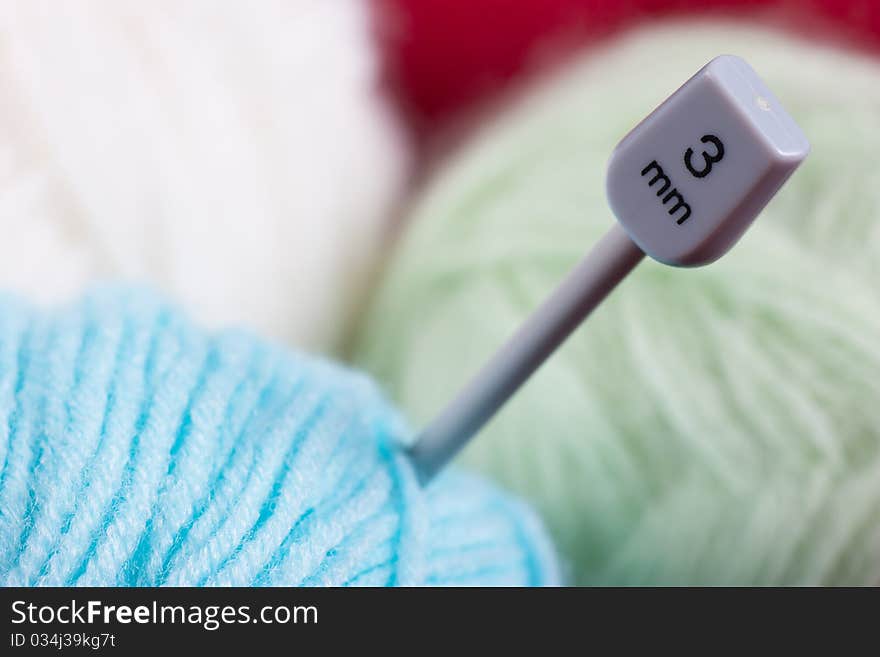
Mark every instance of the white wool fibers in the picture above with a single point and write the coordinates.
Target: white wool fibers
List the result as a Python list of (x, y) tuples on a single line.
[(239, 156)]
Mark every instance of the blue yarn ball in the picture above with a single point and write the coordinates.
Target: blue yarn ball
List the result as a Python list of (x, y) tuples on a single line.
[(138, 450)]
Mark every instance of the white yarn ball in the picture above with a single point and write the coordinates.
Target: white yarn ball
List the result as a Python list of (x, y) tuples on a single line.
[(236, 155)]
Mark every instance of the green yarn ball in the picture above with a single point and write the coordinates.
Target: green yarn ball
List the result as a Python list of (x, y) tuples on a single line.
[(709, 426)]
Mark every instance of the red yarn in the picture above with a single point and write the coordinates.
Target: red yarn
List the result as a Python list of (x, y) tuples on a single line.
[(443, 56)]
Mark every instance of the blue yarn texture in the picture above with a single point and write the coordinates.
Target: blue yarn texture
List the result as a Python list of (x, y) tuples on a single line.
[(138, 450)]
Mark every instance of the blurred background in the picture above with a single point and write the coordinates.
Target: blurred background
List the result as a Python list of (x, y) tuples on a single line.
[(397, 183), (446, 58)]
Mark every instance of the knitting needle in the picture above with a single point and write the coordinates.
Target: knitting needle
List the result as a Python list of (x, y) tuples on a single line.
[(680, 208), (580, 293)]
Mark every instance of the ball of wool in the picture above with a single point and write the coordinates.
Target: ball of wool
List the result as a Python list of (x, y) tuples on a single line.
[(239, 157), (717, 425), (138, 450)]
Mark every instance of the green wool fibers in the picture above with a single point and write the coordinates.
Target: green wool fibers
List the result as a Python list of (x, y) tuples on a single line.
[(710, 426)]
